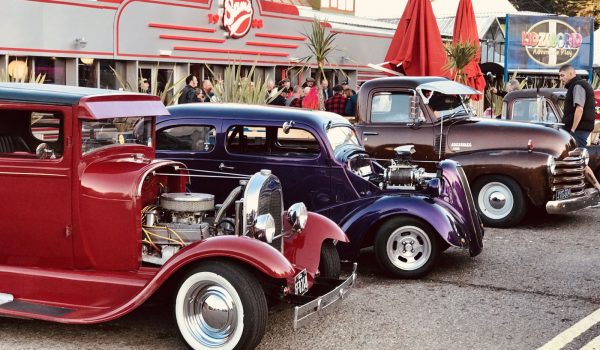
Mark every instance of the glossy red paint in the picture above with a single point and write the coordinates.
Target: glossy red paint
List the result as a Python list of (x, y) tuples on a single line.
[(304, 249)]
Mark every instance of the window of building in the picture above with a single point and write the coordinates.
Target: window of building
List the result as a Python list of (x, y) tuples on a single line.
[(53, 68), (187, 138)]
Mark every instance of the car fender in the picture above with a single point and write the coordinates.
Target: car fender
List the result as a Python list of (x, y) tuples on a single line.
[(360, 225), (304, 249), (248, 251), (528, 169)]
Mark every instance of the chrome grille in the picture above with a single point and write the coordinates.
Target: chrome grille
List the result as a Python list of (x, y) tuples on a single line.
[(270, 201), (569, 174)]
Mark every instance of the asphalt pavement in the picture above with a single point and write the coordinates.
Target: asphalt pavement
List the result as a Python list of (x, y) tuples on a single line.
[(535, 285)]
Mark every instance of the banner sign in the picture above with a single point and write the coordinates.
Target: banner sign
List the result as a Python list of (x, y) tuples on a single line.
[(548, 42)]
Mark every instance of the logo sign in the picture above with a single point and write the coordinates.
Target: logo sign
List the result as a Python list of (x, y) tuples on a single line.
[(545, 43), (237, 17), (551, 42)]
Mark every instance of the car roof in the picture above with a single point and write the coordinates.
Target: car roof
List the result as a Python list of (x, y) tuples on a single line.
[(50, 93), (316, 119), (410, 82), (532, 93)]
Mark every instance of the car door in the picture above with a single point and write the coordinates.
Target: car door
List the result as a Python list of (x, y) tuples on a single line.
[(388, 126), (35, 210), (297, 157)]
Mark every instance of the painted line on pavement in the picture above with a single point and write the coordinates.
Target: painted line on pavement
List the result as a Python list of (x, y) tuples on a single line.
[(572, 332), (593, 345)]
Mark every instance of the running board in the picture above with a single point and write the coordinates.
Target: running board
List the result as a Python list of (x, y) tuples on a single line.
[(6, 298)]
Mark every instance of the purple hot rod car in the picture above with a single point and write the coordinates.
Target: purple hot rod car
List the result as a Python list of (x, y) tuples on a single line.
[(409, 216)]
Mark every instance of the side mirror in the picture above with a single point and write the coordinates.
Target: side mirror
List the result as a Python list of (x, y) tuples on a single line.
[(287, 126), (43, 152), (405, 152), (415, 116)]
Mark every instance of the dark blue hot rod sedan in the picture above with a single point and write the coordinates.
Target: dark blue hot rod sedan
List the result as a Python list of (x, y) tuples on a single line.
[(409, 216)]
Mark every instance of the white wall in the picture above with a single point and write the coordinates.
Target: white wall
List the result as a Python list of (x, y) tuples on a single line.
[(441, 8)]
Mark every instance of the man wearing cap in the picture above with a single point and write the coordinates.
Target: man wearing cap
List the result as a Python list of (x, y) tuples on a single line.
[(310, 82)]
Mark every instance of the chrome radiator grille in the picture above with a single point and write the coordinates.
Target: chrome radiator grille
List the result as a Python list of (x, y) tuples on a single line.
[(569, 174), (270, 201)]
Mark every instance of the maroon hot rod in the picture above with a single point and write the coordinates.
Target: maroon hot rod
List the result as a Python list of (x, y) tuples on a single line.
[(93, 225)]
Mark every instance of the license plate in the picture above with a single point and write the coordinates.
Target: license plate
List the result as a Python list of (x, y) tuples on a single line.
[(563, 193), (301, 283)]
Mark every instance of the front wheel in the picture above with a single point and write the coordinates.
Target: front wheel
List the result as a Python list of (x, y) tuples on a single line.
[(221, 306), (499, 200), (406, 247), (329, 265)]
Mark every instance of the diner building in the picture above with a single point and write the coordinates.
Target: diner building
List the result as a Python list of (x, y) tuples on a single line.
[(116, 43)]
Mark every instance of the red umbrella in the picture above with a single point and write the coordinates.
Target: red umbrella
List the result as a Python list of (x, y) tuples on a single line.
[(417, 44), (465, 31)]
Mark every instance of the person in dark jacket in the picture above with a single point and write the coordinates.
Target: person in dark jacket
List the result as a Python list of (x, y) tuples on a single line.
[(579, 111), (337, 103), (188, 94), (281, 98)]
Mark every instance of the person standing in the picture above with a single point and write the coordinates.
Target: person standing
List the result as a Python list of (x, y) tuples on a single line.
[(513, 85), (207, 87), (337, 103), (327, 92), (579, 109), (297, 96), (188, 94)]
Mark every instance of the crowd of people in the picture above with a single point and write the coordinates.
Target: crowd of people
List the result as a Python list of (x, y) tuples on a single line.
[(193, 93), (341, 99)]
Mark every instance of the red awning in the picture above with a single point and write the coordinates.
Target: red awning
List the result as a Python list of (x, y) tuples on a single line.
[(465, 31), (417, 44)]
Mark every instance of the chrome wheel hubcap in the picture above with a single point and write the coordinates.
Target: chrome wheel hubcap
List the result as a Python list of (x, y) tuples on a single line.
[(495, 200), (210, 314), (409, 248)]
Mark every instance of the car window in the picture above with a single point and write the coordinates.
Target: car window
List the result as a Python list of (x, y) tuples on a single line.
[(22, 131), (527, 110), (272, 141), (389, 107), (187, 138)]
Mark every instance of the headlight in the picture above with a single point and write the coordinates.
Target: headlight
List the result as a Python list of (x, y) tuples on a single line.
[(265, 227), (551, 165), (585, 155), (297, 216), (434, 187)]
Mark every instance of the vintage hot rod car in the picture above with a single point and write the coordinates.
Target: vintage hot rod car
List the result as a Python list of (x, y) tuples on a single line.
[(93, 225), (409, 216), (510, 166)]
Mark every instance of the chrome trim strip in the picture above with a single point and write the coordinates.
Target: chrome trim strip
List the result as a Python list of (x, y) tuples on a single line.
[(32, 174), (303, 313)]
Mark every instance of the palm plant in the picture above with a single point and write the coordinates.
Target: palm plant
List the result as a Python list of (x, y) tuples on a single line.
[(320, 45), (237, 88), (168, 95), (459, 56)]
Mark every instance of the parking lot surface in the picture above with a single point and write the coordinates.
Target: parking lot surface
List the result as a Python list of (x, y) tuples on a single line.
[(530, 285)]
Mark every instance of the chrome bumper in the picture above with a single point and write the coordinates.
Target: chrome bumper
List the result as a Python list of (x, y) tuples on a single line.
[(591, 197), (322, 304)]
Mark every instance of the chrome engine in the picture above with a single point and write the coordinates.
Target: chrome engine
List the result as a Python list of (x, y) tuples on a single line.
[(255, 209)]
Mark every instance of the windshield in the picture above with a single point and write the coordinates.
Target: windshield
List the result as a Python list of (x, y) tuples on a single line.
[(341, 135), (444, 105), (115, 132)]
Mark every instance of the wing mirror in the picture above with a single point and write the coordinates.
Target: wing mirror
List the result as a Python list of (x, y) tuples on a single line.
[(415, 116), (287, 126), (43, 152)]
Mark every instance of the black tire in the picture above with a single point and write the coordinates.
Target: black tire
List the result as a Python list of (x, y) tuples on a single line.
[(402, 229), (504, 216), (330, 265), (244, 291)]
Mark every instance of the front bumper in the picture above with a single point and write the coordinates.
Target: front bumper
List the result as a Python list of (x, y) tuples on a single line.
[(590, 197), (316, 305)]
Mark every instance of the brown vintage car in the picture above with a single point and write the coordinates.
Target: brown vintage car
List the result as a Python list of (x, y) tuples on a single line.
[(509, 165)]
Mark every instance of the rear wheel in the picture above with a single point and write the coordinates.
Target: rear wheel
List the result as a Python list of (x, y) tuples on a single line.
[(406, 247), (329, 265), (221, 306), (499, 200)]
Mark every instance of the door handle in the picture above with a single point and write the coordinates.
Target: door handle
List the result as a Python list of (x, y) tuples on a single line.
[(223, 166), (370, 133)]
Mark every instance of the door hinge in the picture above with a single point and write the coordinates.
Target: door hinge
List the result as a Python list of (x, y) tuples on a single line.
[(68, 231)]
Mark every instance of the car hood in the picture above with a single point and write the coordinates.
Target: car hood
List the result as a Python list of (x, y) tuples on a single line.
[(480, 134)]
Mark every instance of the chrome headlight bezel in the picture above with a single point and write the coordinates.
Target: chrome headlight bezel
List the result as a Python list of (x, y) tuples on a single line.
[(264, 228), (259, 182), (297, 216), (551, 165)]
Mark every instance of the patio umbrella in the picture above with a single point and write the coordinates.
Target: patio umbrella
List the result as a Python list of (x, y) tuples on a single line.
[(416, 48), (465, 31)]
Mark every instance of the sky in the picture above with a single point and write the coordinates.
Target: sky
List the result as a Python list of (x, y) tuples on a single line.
[(441, 8)]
